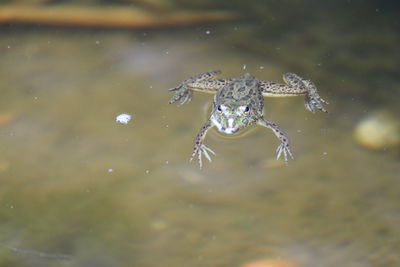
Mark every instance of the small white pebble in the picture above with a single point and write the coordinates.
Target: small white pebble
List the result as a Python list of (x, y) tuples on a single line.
[(299, 131), (123, 118), (110, 170), (261, 67), (36, 98), (325, 153), (166, 162), (97, 42), (167, 52), (167, 125), (208, 32), (147, 171), (244, 66)]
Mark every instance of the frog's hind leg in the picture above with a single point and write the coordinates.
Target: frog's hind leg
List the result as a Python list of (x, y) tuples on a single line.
[(293, 80), (312, 101)]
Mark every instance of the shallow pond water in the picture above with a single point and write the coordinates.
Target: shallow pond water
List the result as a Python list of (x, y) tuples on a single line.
[(79, 189)]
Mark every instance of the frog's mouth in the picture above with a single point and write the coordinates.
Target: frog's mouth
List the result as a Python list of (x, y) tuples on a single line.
[(228, 130)]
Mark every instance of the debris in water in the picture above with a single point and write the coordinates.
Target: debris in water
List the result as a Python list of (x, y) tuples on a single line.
[(271, 263), (123, 118), (106, 17)]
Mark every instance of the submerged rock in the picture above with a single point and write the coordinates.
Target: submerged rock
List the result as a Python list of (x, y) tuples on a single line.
[(6, 118), (380, 130)]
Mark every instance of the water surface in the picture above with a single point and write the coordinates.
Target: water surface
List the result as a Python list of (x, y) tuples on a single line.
[(79, 189)]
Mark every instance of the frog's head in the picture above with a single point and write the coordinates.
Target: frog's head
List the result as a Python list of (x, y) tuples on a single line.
[(229, 118)]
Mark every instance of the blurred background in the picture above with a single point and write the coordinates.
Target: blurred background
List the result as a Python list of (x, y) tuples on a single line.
[(79, 189)]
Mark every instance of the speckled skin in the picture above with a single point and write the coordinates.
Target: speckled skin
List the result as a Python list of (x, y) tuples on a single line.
[(239, 102)]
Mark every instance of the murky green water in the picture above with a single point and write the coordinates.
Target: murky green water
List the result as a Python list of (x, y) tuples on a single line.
[(79, 189)]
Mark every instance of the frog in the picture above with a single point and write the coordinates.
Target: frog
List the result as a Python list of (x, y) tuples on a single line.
[(239, 103)]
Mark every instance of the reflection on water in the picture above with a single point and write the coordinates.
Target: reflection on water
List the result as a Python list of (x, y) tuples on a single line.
[(79, 189)]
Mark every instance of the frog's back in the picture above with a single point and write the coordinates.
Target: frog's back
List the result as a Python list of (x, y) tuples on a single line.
[(241, 91)]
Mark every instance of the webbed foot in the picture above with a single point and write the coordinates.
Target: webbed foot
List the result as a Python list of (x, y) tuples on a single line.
[(182, 93), (200, 150), (284, 149), (313, 101)]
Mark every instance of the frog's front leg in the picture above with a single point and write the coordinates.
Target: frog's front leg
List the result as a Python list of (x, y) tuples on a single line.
[(203, 81), (199, 147), (295, 85), (284, 147)]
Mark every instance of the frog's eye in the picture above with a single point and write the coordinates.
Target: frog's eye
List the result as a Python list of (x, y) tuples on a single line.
[(244, 108), (221, 107)]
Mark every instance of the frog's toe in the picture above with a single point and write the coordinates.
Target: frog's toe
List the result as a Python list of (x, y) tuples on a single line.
[(206, 150), (200, 151), (174, 89), (285, 150), (174, 98), (323, 100), (182, 94), (186, 98), (315, 102)]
